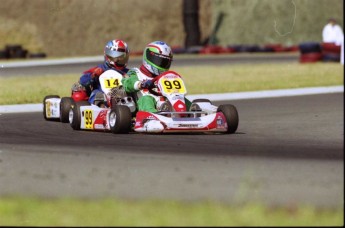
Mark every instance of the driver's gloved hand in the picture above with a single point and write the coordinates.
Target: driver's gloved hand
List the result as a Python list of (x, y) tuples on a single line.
[(147, 84)]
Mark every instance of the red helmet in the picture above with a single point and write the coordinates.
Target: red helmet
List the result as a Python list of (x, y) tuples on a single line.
[(80, 95), (116, 54)]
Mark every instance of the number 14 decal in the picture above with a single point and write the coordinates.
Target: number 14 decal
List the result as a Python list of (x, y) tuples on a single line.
[(112, 83)]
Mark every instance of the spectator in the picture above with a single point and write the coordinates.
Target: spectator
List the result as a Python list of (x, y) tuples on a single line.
[(332, 33)]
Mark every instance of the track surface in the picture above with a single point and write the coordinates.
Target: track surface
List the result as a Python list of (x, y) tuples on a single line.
[(286, 151)]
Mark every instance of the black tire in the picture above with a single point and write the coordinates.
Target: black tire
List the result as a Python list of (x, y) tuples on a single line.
[(120, 119), (37, 55), (231, 115), (45, 107), (3, 54), (74, 116), (309, 47), (65, 106)]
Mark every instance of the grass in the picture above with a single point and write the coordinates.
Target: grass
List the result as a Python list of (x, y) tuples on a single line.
[(199, 80), (26, 211)]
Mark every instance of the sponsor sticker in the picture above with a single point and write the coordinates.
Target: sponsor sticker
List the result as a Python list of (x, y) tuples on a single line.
[(188, 125)]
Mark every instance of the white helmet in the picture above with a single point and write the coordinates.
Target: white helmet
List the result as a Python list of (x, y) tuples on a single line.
[(157, 57)]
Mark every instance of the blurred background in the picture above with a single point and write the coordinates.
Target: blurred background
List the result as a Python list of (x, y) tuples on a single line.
[(66, 28)]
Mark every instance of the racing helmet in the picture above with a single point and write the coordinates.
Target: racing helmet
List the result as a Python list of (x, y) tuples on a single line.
[(116, 54), (157, 57)]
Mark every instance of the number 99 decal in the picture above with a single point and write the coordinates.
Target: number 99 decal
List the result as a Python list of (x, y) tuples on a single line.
[(88, 119), (176, 85)]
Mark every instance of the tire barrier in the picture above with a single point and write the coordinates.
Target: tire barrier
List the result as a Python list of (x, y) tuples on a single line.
[(215, 49), (218, 49), (330, 52), (18, 52), (309, 47), (310, 57), (310, 52), (314, 52)]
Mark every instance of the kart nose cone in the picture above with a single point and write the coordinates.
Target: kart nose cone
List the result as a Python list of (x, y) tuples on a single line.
[(153, 126)]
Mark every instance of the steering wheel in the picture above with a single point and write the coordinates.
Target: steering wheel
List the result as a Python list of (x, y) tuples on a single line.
[(154, 80)]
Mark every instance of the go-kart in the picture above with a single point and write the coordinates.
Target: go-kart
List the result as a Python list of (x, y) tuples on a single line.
[(172, 115), (98, 117)]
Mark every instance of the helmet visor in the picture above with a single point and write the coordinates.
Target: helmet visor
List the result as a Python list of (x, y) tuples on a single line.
[(162, 61), (115, 53), (120, 60)]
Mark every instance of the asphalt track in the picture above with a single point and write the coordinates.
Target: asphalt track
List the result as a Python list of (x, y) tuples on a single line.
[(286, 151)]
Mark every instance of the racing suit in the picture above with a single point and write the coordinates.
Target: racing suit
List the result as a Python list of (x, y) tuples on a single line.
[(91, 82), (146, 101)]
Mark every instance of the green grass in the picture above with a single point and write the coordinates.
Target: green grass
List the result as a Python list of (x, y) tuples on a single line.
[(26, 211), (198, 80)]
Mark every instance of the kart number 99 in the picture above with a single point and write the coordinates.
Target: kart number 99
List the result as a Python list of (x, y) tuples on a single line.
[(176, 85), (88, 119)]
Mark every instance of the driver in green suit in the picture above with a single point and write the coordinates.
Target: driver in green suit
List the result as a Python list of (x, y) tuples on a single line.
[(157, 58)]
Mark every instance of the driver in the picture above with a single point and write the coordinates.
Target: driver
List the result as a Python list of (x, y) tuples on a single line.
[(116, 55), (157, 58)]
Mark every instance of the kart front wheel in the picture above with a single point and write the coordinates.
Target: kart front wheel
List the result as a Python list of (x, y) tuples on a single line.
[(74, 116), (231, 115), (65, 106), (120, 119)]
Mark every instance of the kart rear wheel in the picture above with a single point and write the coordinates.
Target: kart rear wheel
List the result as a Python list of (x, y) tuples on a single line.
[(45, 107), (231, 115), (74, 116), (65, 106), (120, 119)]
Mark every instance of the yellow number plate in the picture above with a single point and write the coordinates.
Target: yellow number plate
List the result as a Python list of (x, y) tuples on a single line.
[(88, 119), (175, 85), (112, 83)]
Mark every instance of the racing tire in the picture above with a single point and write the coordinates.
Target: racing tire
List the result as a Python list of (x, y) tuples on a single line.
[(310, 47), (74, 115), (44, 105), (231, 115), (120, 119), (65, 106)]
